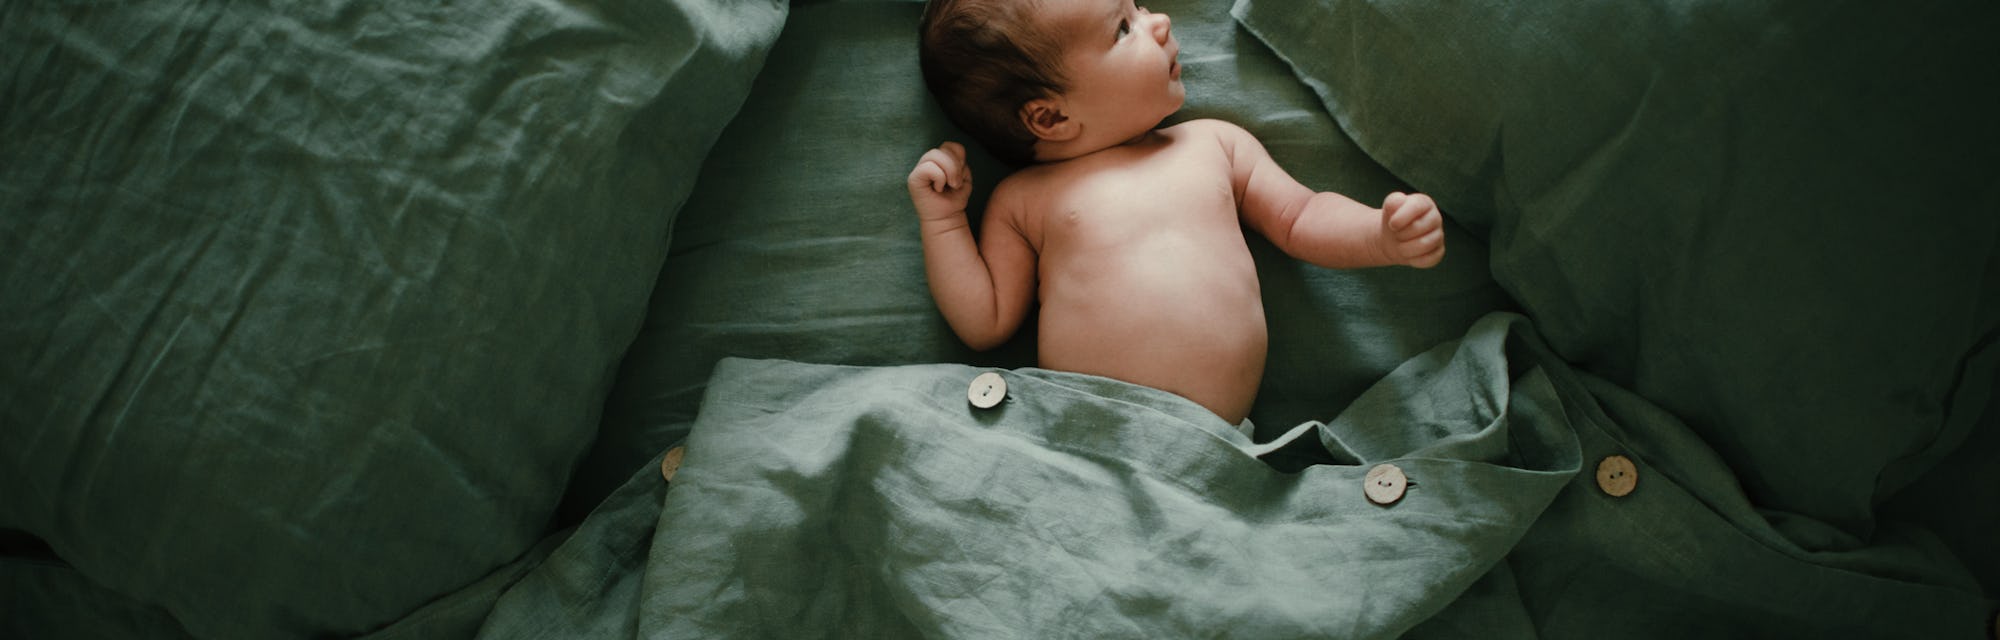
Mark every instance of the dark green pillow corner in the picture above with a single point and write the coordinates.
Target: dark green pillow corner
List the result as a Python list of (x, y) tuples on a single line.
[(1773, 218), (309, 313)]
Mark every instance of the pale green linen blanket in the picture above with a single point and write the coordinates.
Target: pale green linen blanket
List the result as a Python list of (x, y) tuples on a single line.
[(848, 502)]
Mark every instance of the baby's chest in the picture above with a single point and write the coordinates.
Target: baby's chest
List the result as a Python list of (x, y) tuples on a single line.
[(1122, 200), (1148, 206), (1171, 218)]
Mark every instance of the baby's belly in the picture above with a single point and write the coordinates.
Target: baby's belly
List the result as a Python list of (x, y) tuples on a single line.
[(1204, 343)]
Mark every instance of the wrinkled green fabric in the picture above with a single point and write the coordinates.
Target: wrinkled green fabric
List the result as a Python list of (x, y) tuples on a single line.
[(49, 599), (799, 242), (829, 501), (307, 313), (310, 310), (1775, 218)]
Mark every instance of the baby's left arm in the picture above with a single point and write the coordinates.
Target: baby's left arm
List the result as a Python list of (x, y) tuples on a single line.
[(1325, 228)]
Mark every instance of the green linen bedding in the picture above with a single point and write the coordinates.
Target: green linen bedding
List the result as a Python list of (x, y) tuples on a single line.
[(1777, 219), (308, 311), (335, 320), (820, 501)]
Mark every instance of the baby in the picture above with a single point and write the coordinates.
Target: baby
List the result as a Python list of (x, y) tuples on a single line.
[(1129, 237)]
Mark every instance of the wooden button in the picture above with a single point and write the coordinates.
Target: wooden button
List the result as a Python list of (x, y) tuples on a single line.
[(1384, 484), (987, 390), (672, 462), (1617, 476)]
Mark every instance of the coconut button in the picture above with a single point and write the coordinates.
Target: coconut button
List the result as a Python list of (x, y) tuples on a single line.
[(1384, 484), (1617, 476)]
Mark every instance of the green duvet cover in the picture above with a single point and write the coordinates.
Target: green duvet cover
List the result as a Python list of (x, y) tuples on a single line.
[(820, 501)]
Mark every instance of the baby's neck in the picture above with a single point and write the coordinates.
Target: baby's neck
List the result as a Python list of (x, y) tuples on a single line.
[(1048, 153)]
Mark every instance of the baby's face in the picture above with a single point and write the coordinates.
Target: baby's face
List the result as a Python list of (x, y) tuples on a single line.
[(1120, 62)]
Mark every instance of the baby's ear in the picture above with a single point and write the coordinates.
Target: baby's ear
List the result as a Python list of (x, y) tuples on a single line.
[(1045, 118)]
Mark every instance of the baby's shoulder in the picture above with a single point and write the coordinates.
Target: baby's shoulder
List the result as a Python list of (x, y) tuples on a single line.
[(1034, 187), (1035, 177), (1019, 178), (1221, 136), (1014, 187)]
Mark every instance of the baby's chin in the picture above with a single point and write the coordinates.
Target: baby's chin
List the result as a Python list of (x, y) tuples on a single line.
[(1180, 100), (1179, 93)]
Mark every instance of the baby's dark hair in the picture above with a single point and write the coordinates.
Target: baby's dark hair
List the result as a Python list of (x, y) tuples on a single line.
[(982, 60)]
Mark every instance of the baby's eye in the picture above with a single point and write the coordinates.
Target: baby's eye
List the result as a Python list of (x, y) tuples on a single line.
[(1124, 27)]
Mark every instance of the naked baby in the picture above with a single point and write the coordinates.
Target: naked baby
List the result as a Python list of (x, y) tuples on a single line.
[(1130, 238)]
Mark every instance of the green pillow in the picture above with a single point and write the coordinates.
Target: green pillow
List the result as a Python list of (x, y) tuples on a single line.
[(799, 242), (1773, 218), (310, 311)]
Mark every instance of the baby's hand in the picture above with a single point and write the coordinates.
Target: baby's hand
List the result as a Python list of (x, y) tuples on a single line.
[(1412, 230), (942, 182)]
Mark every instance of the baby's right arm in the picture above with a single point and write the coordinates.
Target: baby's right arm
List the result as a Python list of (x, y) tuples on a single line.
[(982, 287)]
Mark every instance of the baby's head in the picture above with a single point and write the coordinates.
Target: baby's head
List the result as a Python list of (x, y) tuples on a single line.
[(1042, 80)]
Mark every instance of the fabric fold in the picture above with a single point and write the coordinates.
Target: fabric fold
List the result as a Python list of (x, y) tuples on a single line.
[(879, 503)]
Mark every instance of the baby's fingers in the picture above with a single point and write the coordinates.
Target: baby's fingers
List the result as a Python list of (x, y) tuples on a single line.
[(1429, 259), (1405, 209), (1424, 220), (958, 169), (928, 175), (950, 159), (1428, 242), (1430, 249), (1392, 205)]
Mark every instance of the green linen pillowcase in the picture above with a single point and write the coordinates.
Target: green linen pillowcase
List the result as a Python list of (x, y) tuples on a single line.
[(310, 311), (1772, 218), (799, 242)]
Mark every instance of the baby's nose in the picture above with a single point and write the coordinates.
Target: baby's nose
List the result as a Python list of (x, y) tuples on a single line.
[(1162, 26)]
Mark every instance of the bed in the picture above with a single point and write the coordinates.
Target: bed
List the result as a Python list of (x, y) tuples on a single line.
[(380, 321)]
